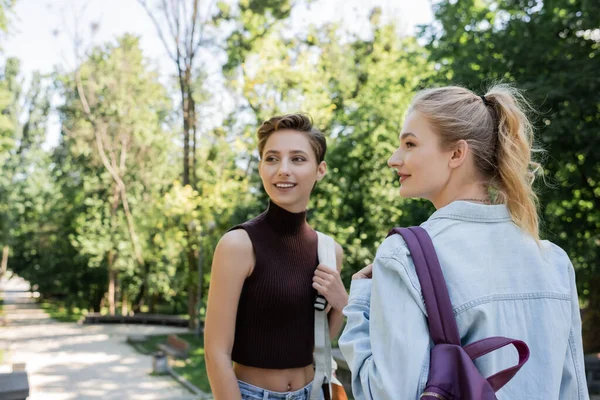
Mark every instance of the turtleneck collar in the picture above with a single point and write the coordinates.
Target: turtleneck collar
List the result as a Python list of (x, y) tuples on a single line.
[(284, 221)]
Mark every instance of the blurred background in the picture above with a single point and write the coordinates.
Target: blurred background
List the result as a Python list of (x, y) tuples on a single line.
[(127, 131)]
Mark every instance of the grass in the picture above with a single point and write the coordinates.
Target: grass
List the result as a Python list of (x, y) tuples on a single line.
[(61, 312), (193, 369)]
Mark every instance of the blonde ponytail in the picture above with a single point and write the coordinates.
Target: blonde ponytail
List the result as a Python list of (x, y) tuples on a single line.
[(516, 170), (500, 136)]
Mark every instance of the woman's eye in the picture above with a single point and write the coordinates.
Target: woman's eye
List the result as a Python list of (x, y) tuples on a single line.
[(410, 144), (298, 159), (271, 159)]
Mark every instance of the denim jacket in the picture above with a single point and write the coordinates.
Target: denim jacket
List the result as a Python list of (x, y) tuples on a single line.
[(501, 283)]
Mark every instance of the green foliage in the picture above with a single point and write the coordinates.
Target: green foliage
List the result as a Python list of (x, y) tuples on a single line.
[(24, 183), (253, 20), (65, 222), (552, 50), (6, 7), (9, 89), (357, 92), (68, 223), (61, 312), (359, 200)]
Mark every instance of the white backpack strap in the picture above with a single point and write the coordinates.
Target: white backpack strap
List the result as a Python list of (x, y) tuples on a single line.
[(326, 251), (322, 355)]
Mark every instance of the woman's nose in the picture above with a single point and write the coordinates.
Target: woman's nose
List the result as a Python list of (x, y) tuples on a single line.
[(395, 160), (284, 168)]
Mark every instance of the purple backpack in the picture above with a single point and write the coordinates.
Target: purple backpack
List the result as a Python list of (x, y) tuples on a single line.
[(452, 373)]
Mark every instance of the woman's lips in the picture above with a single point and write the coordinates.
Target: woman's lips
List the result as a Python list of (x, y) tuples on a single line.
[(285, 186)]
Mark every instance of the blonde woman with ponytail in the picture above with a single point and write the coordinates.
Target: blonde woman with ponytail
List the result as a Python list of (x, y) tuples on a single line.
[(471, 156)]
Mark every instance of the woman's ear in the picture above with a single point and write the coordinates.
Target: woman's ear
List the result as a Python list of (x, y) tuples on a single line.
[(321, 170), (459, 154)]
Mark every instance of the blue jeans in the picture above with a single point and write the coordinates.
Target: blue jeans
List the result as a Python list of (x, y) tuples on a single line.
[(251, 392)]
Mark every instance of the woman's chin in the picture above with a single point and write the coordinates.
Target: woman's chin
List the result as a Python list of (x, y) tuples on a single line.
[(410, 194), (286, 200), (280, 198), (405, 192)]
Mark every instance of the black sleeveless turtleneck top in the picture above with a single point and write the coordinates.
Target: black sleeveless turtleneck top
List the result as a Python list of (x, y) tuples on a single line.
[(275, 318)]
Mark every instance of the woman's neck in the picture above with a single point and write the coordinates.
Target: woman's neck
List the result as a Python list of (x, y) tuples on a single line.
[(476, 193), (295, 208), (283, 220)]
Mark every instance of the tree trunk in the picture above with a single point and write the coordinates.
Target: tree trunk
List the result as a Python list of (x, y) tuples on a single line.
[(192, 286), (124, 302), (99, 129), (112, 274), (186, 136), (187, 102), (200, 275), (153, 300), (140, 299), (591, 319), (4, 265), (111, 283), (192, 127), (200, 261), (193, 180)]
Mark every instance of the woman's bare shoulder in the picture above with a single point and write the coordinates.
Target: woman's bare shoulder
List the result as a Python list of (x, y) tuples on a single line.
[(235, 252), (236, 240)]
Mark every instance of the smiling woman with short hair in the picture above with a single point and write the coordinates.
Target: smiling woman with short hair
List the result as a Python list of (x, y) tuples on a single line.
[(266, 274)]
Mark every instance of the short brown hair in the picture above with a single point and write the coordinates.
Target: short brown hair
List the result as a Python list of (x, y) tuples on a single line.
[(300, 122)]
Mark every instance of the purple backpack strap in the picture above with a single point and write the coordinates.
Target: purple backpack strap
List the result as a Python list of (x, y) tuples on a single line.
[(440, 315), (485, 346)]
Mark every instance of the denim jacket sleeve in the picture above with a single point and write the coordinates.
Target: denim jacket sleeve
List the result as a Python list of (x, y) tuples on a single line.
[(573, 378), (386, 340)]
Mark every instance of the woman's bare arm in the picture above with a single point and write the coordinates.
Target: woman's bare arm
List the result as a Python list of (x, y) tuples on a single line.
[(233, 262)]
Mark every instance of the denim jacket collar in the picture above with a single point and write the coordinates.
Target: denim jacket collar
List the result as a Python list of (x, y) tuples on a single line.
[(473, 212)]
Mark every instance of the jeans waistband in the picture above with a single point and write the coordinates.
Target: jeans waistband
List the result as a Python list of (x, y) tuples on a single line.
[(300, 394)]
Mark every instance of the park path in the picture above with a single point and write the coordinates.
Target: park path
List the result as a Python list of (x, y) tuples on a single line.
[(67, 361)]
